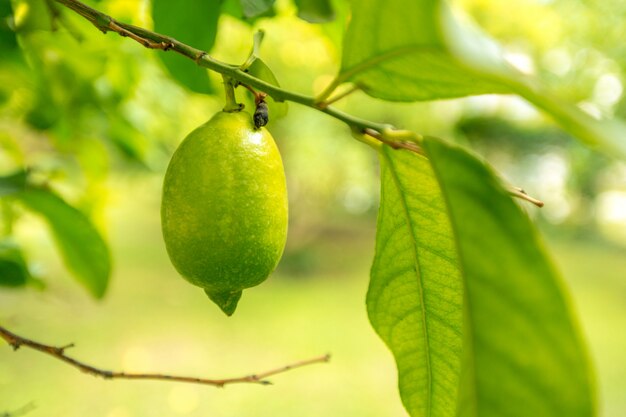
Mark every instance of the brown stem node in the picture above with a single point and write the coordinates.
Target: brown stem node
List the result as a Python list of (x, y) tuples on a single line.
[(409, 146)]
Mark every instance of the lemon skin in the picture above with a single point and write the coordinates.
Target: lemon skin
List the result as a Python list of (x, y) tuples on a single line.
[(224, 207)]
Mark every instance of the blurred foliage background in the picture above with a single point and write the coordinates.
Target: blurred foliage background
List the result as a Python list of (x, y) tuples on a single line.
[(96, 118)]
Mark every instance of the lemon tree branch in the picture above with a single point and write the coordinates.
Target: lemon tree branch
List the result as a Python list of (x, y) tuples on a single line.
[(380, 132), (58, 352), (153, 40)]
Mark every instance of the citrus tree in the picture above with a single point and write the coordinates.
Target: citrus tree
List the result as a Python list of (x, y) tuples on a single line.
[(461, 291)]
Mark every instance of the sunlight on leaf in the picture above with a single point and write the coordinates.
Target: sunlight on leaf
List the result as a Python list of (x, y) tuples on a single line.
[(402, 50), (395, 50), (523, 354), (415, 297)]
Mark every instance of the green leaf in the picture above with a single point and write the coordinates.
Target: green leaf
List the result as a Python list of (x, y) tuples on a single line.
[(13, 183), (394, 50), (254, 8), (13, 72), (523, 354), (83, 250), (235, 8), (401, 50), (315, 11), (415, 297), (232, 8), (34, 15), (8, 39), (259, 69), (13, 269), (194, 23)]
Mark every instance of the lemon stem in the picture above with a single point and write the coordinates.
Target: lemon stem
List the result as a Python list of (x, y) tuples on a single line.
[(231, 105)]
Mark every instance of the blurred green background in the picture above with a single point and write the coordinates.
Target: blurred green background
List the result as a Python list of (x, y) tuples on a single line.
[(98, 120)]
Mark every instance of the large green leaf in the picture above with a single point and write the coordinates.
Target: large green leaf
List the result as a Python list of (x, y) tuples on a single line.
[(395, 50), (408, 50), (195, 23), (415, 296), (83, 250), (523, 355)]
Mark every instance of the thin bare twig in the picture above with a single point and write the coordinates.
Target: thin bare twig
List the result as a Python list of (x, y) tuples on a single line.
[(59, 353), (521, 194), (414, 147)]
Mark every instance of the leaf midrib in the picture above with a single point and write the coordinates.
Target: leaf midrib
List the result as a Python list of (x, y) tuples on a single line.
[(468, 334), (405, 209)]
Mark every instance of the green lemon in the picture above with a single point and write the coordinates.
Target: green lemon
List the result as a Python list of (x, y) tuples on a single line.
[(224, 207)]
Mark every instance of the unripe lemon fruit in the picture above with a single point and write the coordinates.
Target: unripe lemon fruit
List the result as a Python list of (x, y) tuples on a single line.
[(224, 207)]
